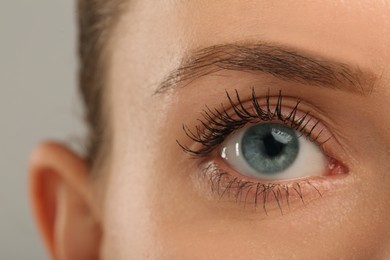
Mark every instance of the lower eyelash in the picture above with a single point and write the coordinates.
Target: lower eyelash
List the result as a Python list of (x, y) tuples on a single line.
[(259, 194), (216, 124)]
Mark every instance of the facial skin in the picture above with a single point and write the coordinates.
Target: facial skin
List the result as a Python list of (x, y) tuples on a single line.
[(149, 201)]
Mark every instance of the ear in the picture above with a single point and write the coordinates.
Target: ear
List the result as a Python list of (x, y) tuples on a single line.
[(61, 196)]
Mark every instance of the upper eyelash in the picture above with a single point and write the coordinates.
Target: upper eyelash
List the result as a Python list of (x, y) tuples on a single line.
[(217, 124)]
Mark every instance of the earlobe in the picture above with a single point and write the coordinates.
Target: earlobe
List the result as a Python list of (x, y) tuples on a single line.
[(62, 199)]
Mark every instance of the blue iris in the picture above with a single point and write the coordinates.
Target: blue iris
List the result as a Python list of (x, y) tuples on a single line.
[(270, 148)]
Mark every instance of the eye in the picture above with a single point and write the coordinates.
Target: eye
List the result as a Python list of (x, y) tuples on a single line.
[(272, 151)]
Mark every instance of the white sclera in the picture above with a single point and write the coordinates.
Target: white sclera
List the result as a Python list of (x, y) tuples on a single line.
[(310, 160)]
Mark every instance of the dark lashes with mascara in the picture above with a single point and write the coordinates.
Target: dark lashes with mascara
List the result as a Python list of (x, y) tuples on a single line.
[(217, 124), (254, 193)]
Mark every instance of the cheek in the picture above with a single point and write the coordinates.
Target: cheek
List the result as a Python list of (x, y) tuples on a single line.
[(163, 219), (128, 206)]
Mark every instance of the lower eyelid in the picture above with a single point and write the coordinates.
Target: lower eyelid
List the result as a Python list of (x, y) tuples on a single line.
[(267, 197)]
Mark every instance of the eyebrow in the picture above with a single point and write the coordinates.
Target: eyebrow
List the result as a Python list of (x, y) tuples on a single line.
[(281, 62)]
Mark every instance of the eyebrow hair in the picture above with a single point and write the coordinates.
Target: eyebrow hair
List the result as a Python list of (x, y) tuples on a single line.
[(283, 63)]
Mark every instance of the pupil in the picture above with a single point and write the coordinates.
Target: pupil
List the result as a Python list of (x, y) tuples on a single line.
[(272, 147)]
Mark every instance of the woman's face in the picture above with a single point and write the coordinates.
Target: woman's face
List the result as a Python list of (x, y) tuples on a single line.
[(295, 186)]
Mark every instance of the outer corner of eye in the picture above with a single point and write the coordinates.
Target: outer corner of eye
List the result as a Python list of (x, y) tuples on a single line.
[(273, 151)]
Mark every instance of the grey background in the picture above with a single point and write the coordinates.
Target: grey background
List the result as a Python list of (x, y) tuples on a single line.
[(38, 101)]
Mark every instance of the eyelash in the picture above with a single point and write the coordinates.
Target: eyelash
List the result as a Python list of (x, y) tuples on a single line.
[(224, 184), (217, 124)]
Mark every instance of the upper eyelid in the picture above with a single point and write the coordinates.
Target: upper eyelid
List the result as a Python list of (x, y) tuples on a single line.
[(212, 139)]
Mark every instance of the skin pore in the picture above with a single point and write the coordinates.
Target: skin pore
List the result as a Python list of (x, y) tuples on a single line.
[(167, 61)]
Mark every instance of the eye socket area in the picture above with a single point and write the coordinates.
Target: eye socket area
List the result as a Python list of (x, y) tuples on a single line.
[(273, 151)]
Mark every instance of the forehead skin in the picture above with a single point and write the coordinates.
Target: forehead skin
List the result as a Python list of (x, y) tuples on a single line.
[(150, 208)]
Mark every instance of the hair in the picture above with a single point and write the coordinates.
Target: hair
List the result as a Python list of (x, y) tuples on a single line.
[(96, 20)]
